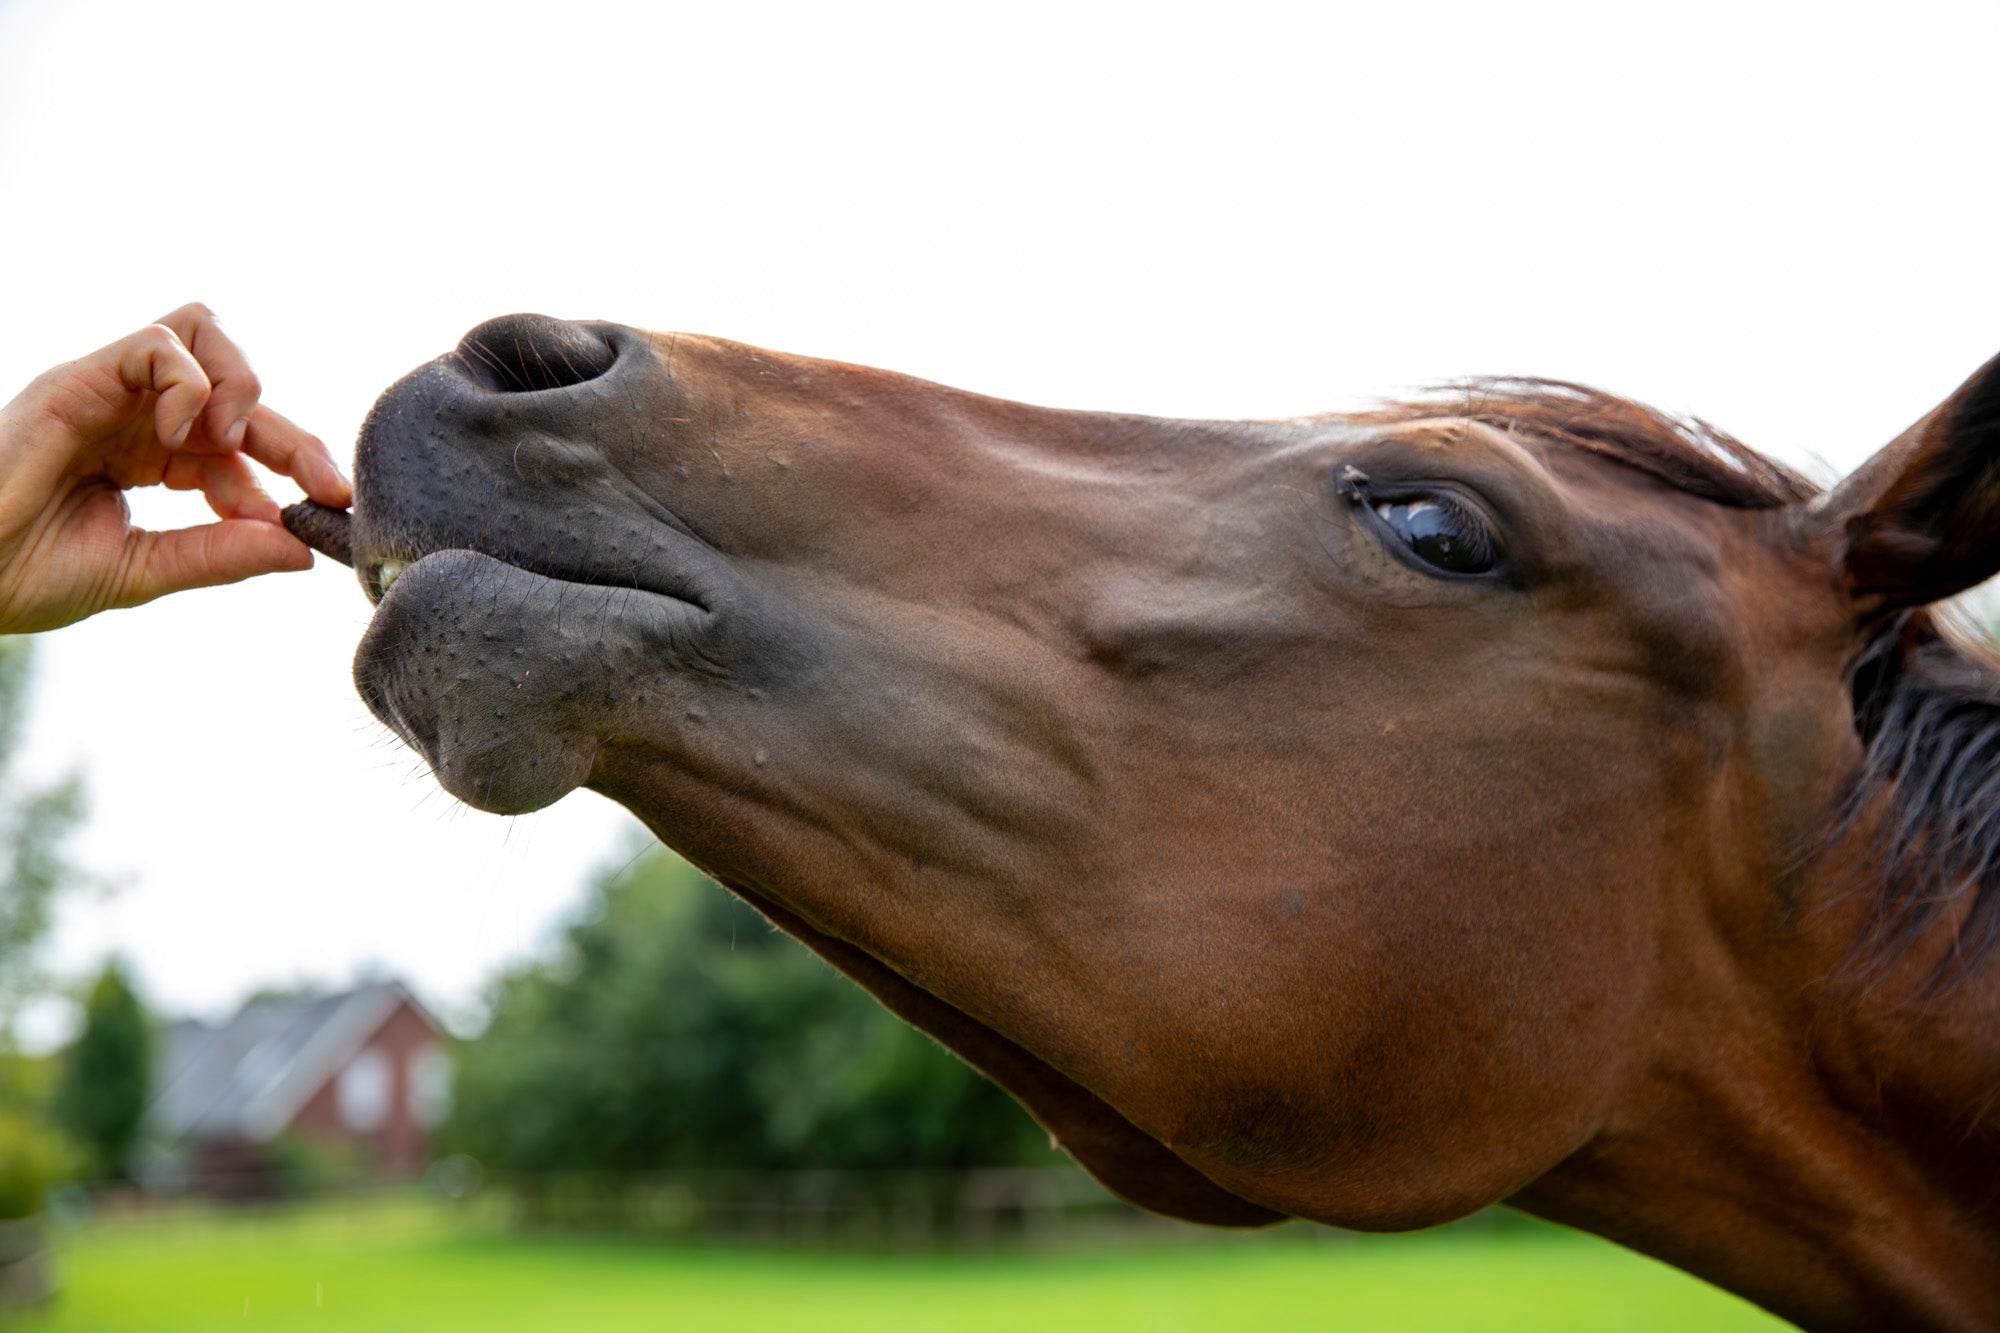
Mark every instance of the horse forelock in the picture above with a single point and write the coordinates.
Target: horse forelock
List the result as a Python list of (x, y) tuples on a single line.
[(1684, 452)]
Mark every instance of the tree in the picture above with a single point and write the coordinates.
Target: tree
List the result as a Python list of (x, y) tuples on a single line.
[(107, 1074), (34, 822), (673, 1028)]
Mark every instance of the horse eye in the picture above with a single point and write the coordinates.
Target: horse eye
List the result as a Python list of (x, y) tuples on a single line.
[(1441, 533)]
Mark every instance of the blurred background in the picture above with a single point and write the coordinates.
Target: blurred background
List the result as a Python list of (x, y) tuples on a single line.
[(286, 1035)]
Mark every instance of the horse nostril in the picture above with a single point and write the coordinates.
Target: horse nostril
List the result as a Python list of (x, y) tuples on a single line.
[(530, 353)]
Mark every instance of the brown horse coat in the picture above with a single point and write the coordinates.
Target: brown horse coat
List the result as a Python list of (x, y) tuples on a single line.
[(1517, 796)]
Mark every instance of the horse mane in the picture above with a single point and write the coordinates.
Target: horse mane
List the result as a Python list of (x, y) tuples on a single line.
[(1925, 688), (1926, 695)]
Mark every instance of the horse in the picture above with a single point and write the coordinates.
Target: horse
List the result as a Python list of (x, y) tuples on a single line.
[(1514, 794)]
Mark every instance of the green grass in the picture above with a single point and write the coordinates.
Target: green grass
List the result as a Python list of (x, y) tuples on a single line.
[(408, 1267)]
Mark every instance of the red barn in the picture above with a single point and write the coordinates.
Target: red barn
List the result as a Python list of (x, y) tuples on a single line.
[(362, 1076)]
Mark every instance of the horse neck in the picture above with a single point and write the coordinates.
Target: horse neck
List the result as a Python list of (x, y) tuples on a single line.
[(1904, 1035), (1897, 914), (1821, 1136), (1896, 953)]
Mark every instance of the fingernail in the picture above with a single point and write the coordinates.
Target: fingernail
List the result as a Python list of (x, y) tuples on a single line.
[(237, 432), (180, 436)]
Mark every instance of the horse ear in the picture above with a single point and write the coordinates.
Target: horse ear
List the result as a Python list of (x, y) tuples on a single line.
[(1921, 519)]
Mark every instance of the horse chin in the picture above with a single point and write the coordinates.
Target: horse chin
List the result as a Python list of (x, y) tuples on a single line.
[(510, 682)]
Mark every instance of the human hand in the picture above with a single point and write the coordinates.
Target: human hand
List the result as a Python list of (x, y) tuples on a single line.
[(173, 404)]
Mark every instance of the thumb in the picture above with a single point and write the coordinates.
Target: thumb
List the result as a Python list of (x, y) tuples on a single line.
[(207, 556)]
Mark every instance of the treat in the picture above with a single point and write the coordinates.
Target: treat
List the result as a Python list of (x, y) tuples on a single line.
[(322, 528)]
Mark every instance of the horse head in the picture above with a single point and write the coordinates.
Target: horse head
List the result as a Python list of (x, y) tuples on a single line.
[(1363, 818)]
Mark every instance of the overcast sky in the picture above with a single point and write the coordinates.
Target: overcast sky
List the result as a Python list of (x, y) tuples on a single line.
[(1784, 217)]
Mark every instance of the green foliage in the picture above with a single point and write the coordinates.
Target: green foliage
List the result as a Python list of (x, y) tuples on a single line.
[(32, 1158), (303, 1166), (33, 824), (675, 1029), (107, 1074), (27, 1082)]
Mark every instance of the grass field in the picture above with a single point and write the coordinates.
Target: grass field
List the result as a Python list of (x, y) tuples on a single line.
[(409, 1267)]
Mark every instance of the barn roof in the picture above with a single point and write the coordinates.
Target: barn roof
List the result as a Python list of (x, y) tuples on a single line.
[(246, 1079)]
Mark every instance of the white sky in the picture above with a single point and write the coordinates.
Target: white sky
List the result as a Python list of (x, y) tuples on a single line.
[(1785, 217)]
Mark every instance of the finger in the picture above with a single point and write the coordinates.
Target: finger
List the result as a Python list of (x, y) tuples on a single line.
[(226, 481), (227, 417), (88, 400), (215, 553), (296, 453), (155, 360)]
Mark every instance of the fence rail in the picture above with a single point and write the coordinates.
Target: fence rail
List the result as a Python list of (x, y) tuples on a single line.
[(896, 1207), (889, 1208)]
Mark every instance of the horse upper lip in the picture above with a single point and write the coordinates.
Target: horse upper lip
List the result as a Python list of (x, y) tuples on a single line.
[(677, 565)]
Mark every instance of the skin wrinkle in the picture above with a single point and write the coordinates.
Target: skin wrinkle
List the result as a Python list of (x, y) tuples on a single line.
[(1276, 874)]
